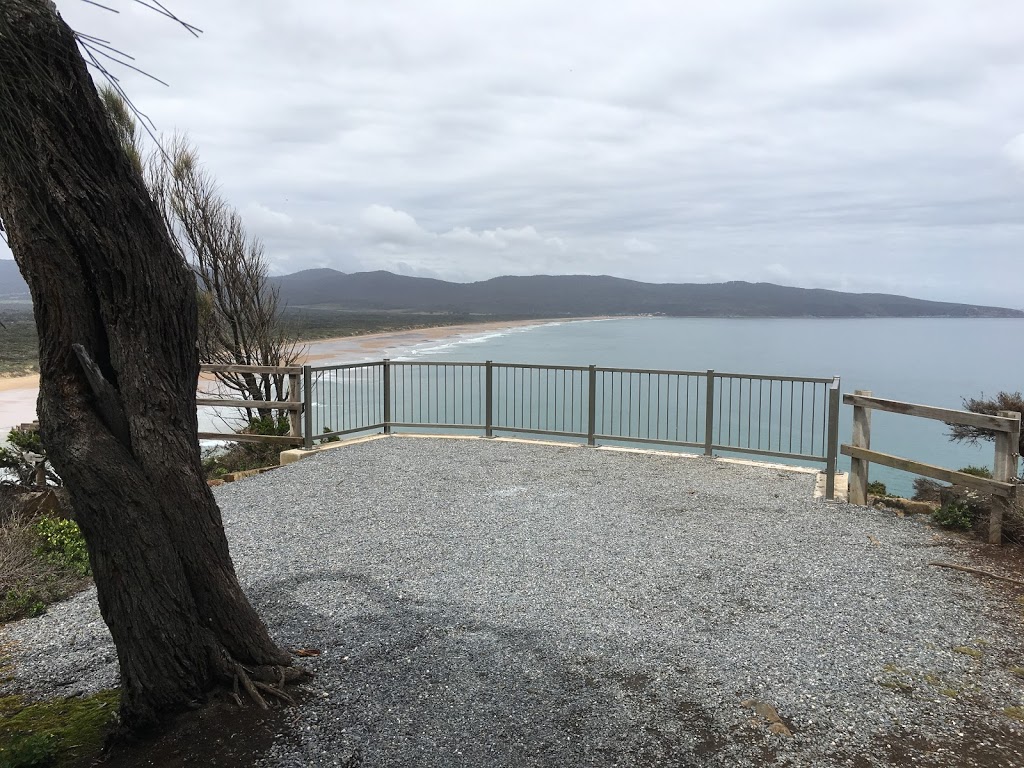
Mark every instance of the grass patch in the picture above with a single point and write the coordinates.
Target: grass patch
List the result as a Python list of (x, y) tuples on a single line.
[(59, 733), (28, 581)]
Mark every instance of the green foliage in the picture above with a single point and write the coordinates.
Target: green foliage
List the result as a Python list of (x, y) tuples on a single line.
[(977, 471), (56, 733), (12, 458), (61, 543), (877, 488), (268, 425), (954, 514), (332, 438), (989, 406), (20, 603)]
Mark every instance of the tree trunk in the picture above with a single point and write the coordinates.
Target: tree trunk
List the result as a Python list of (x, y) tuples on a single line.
[(104, 275)]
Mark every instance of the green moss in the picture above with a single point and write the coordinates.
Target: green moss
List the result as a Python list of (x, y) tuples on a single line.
[(54, 733)]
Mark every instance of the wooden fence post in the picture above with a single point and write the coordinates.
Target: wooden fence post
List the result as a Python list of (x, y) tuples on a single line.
[(294, 394), (1007, 445), (861, 439)]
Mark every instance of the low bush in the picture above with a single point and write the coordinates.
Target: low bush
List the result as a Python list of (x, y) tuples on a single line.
[(29, 582), (877, 488), (977, 471), (238, 457), (955, 513), (61, 543)]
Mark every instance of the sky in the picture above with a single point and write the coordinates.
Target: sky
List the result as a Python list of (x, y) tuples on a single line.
[(859, 145)]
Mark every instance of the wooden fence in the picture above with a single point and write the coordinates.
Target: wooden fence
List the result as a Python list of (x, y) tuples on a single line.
[(1005, 425), (294, 405)]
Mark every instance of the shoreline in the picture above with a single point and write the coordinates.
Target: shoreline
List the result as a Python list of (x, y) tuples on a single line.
[(18, 393)]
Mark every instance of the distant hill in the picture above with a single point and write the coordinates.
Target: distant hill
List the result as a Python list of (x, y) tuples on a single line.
[(12, 286), (580, 295)]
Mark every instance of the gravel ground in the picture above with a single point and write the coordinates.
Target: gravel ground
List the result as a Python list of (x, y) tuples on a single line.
[(488, 603)]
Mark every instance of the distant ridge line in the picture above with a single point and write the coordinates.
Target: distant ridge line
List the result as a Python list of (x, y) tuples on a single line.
[(581, 295)]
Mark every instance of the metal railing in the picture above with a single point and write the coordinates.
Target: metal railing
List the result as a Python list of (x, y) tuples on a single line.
[(785, 417)]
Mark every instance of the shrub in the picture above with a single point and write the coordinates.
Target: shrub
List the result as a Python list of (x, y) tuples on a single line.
[(877, 488), (977, 471), (12, 458), (954, 514), (61, 543)]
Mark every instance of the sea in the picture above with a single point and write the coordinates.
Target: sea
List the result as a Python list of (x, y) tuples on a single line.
[(933, 361)]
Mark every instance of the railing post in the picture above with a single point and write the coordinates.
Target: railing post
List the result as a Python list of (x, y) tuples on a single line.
[(709, 413), (1007, 446), (307, 407), (861, 439), (387, 396), (832, 449), (489, 399), (592, 407), (295, 394)]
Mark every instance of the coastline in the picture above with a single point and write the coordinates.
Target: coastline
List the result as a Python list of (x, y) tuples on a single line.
[(18, 393)]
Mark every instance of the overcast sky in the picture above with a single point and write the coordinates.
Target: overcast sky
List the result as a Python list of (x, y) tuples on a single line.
[(863, 145)]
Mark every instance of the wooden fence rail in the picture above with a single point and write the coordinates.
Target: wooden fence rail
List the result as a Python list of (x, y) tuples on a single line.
[(1002, 485)]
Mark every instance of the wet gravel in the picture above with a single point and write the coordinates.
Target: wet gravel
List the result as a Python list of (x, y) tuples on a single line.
[(489, 603)]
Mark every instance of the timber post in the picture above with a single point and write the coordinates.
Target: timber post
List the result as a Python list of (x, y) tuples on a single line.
[(307, 407), (295, 417), (709, 414), (861, 439), (1005, 471), (489, 399), (592, 407), (386, 365), (832, 449)]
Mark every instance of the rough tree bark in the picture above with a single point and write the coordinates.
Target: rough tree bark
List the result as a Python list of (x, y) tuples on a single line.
[(107, 281)]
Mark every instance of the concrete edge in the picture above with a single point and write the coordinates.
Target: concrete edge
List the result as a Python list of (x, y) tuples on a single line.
[(842, 479)]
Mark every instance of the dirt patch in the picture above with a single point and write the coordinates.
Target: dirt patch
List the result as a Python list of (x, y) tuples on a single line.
[(220, 735)]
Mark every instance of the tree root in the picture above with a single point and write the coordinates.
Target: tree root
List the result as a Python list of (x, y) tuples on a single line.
[(977, 571), (265, 679)]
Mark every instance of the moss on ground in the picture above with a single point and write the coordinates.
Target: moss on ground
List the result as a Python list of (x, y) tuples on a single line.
[(59, 733)]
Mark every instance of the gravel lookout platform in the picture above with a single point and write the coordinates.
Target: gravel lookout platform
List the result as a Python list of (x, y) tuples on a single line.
[(491, 603)]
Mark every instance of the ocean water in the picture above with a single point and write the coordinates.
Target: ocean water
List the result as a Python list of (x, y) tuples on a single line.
[(929, 361)]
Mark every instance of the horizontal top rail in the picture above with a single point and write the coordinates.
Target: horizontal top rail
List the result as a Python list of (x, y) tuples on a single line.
[(541, 367), (350, 366), (761, 377), (657, 371), (281, 405), (218, 368), (948, 415)]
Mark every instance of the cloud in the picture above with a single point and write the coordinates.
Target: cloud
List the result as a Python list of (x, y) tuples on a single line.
[(854, 141), (1014, 151), (386, 225)]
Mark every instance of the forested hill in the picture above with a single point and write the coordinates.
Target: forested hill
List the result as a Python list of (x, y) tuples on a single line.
[(580, 295)]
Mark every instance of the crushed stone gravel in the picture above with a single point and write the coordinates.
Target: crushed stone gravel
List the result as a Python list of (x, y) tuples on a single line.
[(493, 603)]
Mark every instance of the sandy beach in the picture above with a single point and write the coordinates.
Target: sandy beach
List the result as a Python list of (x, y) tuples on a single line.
[(18, 394)]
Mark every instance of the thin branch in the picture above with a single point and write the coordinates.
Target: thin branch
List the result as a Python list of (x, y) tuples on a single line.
[(104, 7), (163, 11), (89, 47)]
